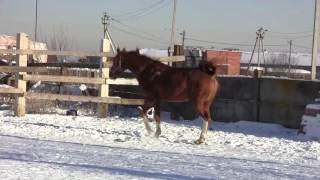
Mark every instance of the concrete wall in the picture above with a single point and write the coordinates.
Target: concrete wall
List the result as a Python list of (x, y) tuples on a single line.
[(284, 101), (281, 101)]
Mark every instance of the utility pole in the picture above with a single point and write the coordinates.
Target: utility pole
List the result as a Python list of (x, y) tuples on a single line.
[(260, 36), (105, 22), (172, 29), (106, 34), (183, 37), (263, 50), (289, 70), (315, 41), (36, 25)]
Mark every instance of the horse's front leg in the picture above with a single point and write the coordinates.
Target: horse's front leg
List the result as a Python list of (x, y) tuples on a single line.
[(148, 103), (157, 109)]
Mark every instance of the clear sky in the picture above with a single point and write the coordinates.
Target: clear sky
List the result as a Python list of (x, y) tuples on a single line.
[(226, 21)]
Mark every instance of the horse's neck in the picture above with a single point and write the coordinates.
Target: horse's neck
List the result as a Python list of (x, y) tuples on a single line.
[(137, 64)]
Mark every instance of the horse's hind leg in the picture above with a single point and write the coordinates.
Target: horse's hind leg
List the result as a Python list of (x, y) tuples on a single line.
[(204, 110), (157, 109), (143, 111)]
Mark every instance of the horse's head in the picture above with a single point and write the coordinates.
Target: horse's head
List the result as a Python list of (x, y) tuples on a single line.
[(120, 63)]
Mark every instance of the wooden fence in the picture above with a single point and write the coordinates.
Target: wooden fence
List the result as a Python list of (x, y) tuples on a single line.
[(103, 99)]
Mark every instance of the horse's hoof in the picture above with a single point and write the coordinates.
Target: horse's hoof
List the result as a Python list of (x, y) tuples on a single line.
[(156, 136), (199, 141)]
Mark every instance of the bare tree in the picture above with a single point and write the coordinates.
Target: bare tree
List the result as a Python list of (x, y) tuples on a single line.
[(281, 59), (60, 41)]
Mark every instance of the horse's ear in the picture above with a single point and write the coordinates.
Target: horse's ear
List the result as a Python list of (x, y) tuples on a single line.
[(137, 50), (124, 49), (118, 50)]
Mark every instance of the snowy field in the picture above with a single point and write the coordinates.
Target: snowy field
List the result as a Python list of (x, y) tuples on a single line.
[(53, 146), (303, 59)]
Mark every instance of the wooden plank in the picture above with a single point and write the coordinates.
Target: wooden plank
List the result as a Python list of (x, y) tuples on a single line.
[(132, 101), (172, 59), (79, 53), (22, 69), (67, 65), (73, 98), (58, 53), (10, 91), (21, 62), (65, 79), (71, 65), (97, 66), (122, 81)]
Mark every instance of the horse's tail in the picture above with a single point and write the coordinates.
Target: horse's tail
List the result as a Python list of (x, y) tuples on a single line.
[(207, 67)]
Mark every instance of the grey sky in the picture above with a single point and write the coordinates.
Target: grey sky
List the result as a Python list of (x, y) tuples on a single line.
[(227, 21)]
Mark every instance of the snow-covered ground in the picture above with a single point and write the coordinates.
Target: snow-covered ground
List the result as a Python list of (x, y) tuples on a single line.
[(85, 147)]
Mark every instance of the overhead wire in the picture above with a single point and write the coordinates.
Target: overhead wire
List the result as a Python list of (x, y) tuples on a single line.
[(301, 47), (137, 17), (138, 30), (301, 32), (249, 40), (145, 8), (113, 27), (213, 42), (288, 37)]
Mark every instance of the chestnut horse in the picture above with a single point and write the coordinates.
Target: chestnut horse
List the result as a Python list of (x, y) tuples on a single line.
[(160, 82)]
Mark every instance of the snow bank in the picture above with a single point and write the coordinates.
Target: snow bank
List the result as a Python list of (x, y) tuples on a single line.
[(300, 71), (303, 59), (5, 86), (154, 53)]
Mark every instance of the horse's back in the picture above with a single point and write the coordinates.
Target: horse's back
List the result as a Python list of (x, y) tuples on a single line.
[(176, 84)]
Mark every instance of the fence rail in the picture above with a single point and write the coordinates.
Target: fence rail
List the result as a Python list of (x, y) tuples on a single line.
[(22, 69), (75, 98), (103, 81), (65, 79), (58, 53), (10, 91)]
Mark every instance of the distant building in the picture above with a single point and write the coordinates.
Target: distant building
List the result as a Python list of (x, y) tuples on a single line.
[(9, 42), (228, 61)]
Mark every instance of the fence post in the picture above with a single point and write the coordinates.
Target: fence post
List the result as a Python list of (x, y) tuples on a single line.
[(21, 61), (103, 73)]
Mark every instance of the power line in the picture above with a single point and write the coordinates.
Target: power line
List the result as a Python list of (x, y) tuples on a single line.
[(145, 8), (137, 17), (138, 30), (301, 32), (138, 35), (289, 37), (249, 40), (232, 43), (301, 47)]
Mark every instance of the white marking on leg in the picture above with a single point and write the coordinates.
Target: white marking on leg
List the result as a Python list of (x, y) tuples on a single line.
[(204, 131), (146, 121), (158, 132), (147, 125)]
